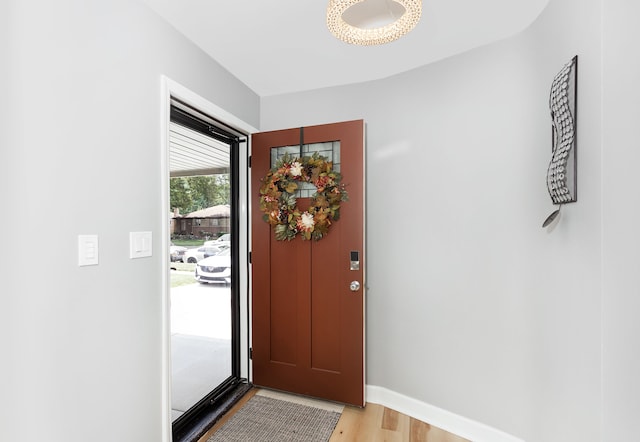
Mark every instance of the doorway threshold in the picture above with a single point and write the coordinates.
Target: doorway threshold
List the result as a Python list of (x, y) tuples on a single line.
[(201, 423)]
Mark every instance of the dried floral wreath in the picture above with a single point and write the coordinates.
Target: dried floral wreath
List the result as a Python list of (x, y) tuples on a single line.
[(278, 202)]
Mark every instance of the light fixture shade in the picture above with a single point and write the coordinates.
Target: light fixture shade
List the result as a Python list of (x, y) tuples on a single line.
[(373, 36)]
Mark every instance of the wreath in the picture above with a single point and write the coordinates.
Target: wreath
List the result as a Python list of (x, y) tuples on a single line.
[(278, 201)]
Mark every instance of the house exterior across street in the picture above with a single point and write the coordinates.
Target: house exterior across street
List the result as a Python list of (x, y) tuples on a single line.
[(210, 222)]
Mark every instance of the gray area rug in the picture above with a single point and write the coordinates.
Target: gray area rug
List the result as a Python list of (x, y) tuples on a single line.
[(266, 419)]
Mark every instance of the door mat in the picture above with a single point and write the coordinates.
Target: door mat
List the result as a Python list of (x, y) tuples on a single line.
[(266, 419)]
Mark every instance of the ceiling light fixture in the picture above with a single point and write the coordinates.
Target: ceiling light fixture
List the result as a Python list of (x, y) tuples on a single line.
[(372, 22)]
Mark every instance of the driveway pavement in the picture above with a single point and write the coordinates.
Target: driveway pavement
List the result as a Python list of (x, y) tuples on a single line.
[(200, 342), (201, 310)]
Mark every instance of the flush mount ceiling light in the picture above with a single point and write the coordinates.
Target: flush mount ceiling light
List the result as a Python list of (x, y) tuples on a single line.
[(372, 22)]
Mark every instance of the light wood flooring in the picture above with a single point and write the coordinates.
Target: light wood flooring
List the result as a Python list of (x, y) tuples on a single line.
[(374, 423)]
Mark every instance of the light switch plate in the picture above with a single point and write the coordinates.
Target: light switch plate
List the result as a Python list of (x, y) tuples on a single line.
[(140, 245), (88, 251)]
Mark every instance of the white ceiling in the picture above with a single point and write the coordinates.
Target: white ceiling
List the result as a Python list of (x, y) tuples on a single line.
[(282, 46)]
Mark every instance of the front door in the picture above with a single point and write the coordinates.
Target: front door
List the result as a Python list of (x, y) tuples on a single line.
[(308, 295)]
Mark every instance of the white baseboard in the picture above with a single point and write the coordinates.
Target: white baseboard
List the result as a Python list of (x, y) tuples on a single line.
[(458, 425)]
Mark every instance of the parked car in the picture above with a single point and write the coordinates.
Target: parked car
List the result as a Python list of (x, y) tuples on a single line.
[(176, 253), (215, 269), (198, 253), (223, 240)]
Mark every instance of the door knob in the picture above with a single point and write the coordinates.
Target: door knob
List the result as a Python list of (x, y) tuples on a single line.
[(354, 286)]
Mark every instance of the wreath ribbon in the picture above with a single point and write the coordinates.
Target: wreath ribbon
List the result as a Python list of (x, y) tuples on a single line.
[(279, 204)]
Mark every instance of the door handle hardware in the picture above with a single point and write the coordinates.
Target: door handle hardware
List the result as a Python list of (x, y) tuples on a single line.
[(354, 263), (354, 286)]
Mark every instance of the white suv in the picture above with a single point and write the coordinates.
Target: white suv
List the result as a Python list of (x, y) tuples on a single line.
[(224, 240)]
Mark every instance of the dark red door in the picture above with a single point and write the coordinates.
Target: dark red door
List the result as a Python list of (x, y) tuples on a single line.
[(308, 323)]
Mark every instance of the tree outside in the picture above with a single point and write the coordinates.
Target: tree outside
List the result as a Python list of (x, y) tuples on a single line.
[(189, 194)]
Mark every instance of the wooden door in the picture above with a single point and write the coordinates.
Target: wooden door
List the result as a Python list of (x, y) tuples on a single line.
[(308, 325)]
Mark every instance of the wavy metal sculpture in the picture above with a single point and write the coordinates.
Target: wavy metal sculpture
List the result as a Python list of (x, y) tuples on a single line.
[(562, 171)]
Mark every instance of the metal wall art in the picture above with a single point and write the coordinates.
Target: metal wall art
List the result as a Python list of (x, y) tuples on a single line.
[(562, 171)]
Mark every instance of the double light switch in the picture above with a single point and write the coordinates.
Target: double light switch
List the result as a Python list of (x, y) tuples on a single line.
[(140, 244)]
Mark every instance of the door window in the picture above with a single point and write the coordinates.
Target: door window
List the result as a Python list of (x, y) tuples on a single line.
[(330, 150)]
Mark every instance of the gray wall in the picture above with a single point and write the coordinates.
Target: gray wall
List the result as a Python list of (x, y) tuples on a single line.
[(472, 306), (82, 346), (621, 220)]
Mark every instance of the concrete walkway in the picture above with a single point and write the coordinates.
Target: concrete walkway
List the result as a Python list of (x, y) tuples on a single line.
[(200, 342)]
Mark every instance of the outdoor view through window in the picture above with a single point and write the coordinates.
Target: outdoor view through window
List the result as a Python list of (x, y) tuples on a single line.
[(200, 228)]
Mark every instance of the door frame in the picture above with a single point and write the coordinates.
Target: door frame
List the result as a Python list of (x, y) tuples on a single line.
[(169, 89)]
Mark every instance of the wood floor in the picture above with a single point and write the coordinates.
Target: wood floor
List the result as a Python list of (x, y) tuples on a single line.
[(374, 423)]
